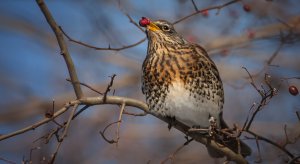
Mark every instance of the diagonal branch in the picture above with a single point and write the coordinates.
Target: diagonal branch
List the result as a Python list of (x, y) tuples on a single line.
[(63, 47), (41, 122)]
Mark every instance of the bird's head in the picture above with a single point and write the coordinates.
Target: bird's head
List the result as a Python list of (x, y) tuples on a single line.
[(161, 31)]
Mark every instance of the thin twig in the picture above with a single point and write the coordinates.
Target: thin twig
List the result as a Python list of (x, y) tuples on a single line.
[(81, 110), (247, 119), (133, 22), (49, 112), (86, 85), (68, 122), (287, 78), (100, 48), (55, 153), (252, 81), (275, 53), (195, 6), (41, 122), (109, 86), (259, 160), (119, 122), (172, 156), (103, 133), (66, 128), (259, 107), (287, 140), (48, 136), (31, 152), (271, 142), (265, 96), (298, 115), (219, 7)]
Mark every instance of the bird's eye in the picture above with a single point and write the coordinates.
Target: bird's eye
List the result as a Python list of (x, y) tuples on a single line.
[(166, 28)]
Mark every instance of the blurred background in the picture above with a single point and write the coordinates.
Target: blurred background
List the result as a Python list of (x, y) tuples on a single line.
[(33, 74)]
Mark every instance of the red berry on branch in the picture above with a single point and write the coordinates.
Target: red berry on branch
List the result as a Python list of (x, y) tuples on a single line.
[(247, 8), (205, 13), (250, 34), (144, 22), (224, 52), (293, 90)]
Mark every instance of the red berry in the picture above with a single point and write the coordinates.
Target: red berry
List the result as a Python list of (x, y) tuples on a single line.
[(191, 38), (224, 52), (205, 13), (293, 90), (247, 8), (250, 34), (144, 22)]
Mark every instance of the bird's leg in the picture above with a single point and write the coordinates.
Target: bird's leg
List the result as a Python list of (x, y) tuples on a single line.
[(186, 137), (172, 122), (213, 126), (211, 130), (188, 140)]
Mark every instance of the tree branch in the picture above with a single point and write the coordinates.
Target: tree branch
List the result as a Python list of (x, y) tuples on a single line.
[(101, 48), (264, 32), (219, 7), (63, 48), (143, 106), (41, 122)]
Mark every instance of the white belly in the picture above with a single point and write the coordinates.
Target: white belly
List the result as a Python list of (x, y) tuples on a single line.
[(190, 110)]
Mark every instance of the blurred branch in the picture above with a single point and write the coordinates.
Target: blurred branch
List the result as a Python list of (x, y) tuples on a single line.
[(258, 137), (219, 7), (288, 38), (63, 47), (172, 156), (257, 33), (7, 161), (269, 62)]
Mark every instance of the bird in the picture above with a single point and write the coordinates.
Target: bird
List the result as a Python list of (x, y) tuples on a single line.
[(180, 81)]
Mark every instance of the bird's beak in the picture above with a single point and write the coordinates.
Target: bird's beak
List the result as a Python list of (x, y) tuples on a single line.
[(152, 27)]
